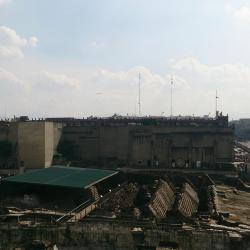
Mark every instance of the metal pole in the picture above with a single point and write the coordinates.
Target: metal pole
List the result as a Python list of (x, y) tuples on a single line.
[(5, 112), (216, 103), (171, 98), (139, 101)]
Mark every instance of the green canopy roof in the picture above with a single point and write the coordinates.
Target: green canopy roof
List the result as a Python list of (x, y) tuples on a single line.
[(60, 176)]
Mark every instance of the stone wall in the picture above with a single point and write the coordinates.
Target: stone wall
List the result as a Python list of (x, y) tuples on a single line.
[(170, 143), (150, 146), (163, 200), (99, 236), (187, 201), (33, 143)]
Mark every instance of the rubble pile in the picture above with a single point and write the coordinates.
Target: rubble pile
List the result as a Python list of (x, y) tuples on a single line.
[(160, 199), (122, 199), (168, 199)]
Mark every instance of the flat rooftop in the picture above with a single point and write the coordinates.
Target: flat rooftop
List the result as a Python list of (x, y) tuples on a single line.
[(116, 120), (60, 176)]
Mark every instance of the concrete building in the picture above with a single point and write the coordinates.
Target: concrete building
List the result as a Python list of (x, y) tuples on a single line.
[(151, 142), (242, 129), (33, 143), (37, 142)]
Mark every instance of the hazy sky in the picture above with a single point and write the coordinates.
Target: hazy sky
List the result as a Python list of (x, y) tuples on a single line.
[(81, 58)]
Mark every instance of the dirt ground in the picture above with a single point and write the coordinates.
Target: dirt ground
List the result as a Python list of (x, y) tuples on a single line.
[(235, 202)]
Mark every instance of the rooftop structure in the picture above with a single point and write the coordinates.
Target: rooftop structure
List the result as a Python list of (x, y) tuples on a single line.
[(220, 120), (60, 176), (118, 141)]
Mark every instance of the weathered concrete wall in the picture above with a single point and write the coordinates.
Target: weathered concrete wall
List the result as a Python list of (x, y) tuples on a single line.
[(37, 141), (99, 236), (31, 144), (9, 133), (4, 130), (49, 140), (58, 127), (152, 146), (173, 144), (113, 142)]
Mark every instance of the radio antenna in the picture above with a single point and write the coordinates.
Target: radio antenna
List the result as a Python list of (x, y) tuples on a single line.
[(171, 97), (216, 104), (139, 94)]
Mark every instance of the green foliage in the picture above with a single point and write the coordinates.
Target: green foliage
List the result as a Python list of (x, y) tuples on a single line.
[(5, 149), (65, 148)]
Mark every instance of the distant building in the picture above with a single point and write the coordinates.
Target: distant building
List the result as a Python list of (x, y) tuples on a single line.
[(242, 129), (152, 142), (157, 142)]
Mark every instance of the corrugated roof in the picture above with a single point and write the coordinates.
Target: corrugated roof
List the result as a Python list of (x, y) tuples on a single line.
[(60, 176)]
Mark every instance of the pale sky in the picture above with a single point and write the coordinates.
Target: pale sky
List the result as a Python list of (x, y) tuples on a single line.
[(81, 58)]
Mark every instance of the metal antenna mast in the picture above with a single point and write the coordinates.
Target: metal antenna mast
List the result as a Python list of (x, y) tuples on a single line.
[(216, 103), (5, 112), (139, 97), (171, 98)]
